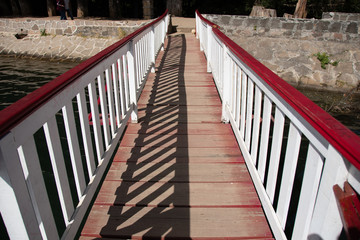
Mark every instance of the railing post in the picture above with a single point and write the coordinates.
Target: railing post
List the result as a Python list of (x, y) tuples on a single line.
[(326, 221), (201, 37), (152, 48), (15, 202), (163, 31), (226, 84), (209, 41), (132, 80), (197, 26)]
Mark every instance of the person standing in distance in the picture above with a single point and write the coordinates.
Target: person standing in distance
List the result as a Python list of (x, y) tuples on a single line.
[(68, 10), (60, 6)]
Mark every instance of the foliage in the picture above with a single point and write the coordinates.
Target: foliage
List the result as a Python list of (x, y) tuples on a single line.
[(325, 60), (43, 32)]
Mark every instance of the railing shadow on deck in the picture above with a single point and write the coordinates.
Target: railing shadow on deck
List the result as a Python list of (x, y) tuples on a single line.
[(164, 163)]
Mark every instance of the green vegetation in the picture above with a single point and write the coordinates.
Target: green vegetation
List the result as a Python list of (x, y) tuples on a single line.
[(43, 33), (325, 60)]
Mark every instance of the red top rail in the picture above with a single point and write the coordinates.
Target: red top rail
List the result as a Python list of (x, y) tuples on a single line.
[(15, 113), (344, 140)]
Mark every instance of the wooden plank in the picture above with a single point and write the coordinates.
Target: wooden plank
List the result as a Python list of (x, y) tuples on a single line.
[(159, 194), (191, 155), (136, 222), (180, 128), (131, 140), (172, 171)]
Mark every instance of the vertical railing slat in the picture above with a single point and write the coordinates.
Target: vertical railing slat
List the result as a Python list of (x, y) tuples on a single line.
[(287, 180), (85, 131), (110, 97), (121, 88), (237, 93), (117, 93), (96, 121), (243, 104), (309, 187), (249, 112), (265, 130), (126, 82), (275, 153), (74, 149), (59, 169), (256, 128), (104, 109), (30, 160)]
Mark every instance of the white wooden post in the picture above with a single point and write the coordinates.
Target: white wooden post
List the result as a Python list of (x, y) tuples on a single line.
[(15, 203), (209, 41), (226, 84), (326, 221), (152, 48), (197, 26), (201, 36), (132, 80)]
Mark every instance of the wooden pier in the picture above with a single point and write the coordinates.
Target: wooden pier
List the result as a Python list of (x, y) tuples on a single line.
[(178, 172)]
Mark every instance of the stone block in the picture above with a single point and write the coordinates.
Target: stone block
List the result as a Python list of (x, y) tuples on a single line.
[(352, 28), (322, 26), (335, 27), (288, 25), (345, 67), (274, 23), (225, 19), (237, 22)]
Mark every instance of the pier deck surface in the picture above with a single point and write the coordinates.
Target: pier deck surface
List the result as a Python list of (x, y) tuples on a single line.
[(179, 172)]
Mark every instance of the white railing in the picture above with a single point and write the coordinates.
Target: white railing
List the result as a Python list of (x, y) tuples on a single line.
[(295, 152), (66, 133)]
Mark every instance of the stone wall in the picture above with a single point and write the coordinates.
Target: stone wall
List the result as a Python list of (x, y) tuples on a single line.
[(61, 40), (327, 29), (289, 46), (78, 27)]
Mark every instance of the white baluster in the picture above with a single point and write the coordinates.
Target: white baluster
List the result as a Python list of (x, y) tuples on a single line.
[(275, 153), (85, 131), (132, 81), (287, 181), (309, 188), (74, 149), (59, 169), (265, 129)]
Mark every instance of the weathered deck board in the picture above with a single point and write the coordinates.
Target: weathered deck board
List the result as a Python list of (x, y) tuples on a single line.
[(179, 172)]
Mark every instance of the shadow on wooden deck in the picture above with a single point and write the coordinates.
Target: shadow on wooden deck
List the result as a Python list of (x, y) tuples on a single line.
[(157, 177)]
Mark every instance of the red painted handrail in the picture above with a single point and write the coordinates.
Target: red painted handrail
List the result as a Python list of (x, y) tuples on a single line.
[(342, 138), (15, 113)]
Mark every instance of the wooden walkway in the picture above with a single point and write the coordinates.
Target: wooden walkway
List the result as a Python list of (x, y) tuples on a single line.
[(179, 172)]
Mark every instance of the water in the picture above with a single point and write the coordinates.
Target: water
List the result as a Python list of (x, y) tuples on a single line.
[(18, 77), (345, 107)]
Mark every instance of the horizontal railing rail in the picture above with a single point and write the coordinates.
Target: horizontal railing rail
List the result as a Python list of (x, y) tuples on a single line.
[(294, 150), (52, 159)]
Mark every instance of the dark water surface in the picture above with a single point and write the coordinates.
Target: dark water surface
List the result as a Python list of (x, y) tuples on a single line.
[(18, 76)]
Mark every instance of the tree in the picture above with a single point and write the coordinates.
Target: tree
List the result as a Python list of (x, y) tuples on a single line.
[(83, 8), (174, 7), (148, 9), (300, 11), (114, 9), (25, 7), (15, 8), (51, 9)]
